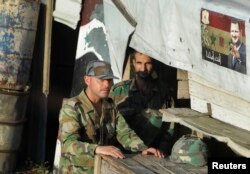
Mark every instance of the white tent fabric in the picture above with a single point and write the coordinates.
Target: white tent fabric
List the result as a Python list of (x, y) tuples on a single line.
[(117, 35), (170, 31)]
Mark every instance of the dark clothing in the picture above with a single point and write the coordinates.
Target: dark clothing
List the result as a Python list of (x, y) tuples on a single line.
[(238, 64), (141, 112)]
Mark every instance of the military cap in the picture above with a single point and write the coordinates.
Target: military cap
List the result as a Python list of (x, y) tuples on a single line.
[(100, 69)]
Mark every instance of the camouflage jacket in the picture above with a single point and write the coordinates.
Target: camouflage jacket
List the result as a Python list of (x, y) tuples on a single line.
[(81, 130), (141, 112)]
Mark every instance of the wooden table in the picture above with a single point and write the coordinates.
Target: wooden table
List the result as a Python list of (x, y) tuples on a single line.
[(143, 164)]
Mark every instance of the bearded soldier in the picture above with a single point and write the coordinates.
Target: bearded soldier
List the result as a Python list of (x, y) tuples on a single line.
[(139, 100)]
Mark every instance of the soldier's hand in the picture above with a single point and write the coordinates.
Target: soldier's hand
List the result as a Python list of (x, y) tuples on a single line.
[(110, 150), (153, 151)]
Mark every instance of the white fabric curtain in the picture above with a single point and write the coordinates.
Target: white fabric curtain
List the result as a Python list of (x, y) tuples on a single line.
[(170, 31)]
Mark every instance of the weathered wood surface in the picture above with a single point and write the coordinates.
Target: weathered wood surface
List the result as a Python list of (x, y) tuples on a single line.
[(183, 86), (224, 105), (183, 89), (142, 164), (221, 113), (236, 138), (182, 74)]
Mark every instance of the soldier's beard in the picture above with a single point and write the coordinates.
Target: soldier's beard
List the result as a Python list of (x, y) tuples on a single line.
[(144, 82), (143, 74)]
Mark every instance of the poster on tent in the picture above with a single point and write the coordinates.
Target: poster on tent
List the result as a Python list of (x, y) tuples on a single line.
[(223, 40)]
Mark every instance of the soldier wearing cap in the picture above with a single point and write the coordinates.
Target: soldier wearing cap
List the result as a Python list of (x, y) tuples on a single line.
[(90, 123)]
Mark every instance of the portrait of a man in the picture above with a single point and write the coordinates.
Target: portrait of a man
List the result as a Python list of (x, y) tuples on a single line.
[(237, 52), (223, 40)]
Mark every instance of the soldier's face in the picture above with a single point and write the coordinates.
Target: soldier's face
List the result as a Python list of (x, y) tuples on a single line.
[(235, 32), (142, 64), (99, 88)]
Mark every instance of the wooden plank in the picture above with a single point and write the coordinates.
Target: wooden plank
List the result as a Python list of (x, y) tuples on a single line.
[(214, 95), (236, 138), (221, 113), (127, 165), (147, 164), (150, 162), (165, 166), (183, 89), (107, 168), (47, 47), (225, 107), (198, 104), (115, 164), (182, 74), (228, 116), (199, 79), (136, 166)]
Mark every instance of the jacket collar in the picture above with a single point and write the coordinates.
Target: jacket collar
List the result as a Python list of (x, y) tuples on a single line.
[(87, 105)]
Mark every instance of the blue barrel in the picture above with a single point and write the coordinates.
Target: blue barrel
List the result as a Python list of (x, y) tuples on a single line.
[(18, 25)]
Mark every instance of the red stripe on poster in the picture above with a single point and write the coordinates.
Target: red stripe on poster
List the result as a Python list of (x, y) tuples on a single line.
[(222, 22)]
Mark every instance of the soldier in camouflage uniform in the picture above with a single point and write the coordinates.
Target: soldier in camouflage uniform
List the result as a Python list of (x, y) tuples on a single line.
[(90, 123), (139, 100)]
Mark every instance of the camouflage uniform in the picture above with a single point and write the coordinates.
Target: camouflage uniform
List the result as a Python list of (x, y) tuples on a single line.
[(81, 130), (141, 112)]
